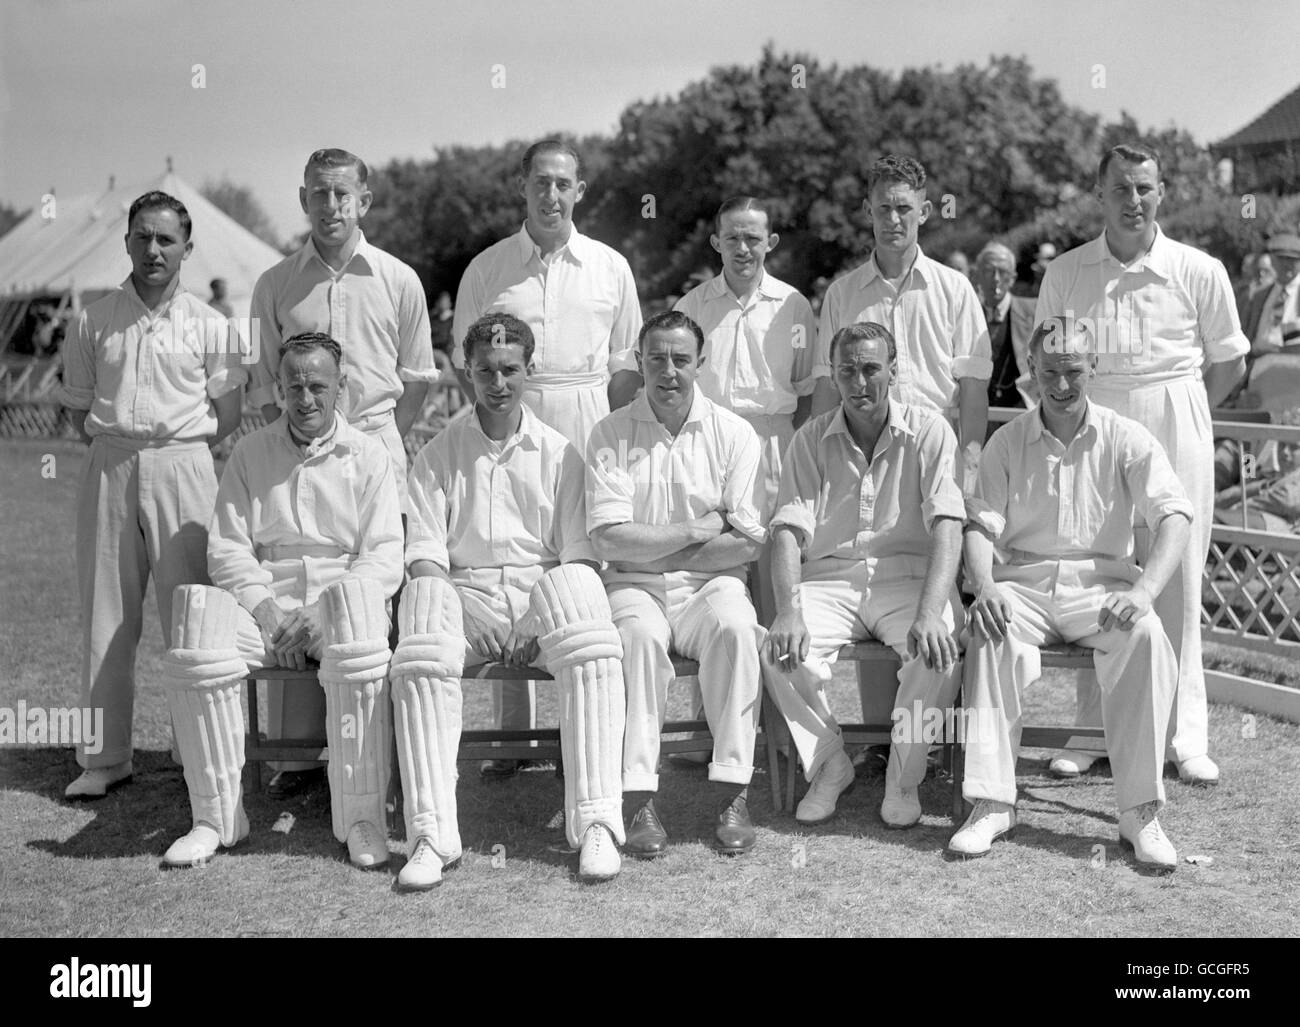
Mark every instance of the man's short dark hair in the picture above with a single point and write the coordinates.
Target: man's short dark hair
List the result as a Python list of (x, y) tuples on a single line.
[(499, 330), (670, 321), (863, 331), (1056, 334), (735, 203), (336, 158), (896, 167), (307, 342), (553, 145), (156, 200), (1130, 153)]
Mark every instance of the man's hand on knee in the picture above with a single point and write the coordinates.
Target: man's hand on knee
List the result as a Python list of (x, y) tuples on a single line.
[(486, 637), (991, 613), (1124, 609), (930, 639)]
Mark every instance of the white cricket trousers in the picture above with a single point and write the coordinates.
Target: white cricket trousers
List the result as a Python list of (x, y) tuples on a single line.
[(1055, 602), (142, 508), (713, 624), (859, 601)]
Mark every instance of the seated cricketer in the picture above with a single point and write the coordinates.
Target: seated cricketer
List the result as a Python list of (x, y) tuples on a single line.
[(501, 569), (880, 537), (304, 550), (1049, 554), (675, 504)]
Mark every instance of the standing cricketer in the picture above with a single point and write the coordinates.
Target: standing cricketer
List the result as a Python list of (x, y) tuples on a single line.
[(374, 305), (152, 377), (579, 299), (1169, 348)]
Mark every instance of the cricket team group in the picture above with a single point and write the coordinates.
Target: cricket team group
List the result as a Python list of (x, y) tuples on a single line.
[(734, 482)]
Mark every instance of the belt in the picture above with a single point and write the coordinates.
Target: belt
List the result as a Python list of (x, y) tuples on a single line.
[(297, 552), (550, 381)]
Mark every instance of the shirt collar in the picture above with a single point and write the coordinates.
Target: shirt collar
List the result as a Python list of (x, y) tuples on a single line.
[(1036, 429), (576, 247), (921, 266), (1003, 307), (344, 436), (768, 287), (701, 408), (525, 436), (896, 423), (1157, 259), (168, 298), (309, 251)]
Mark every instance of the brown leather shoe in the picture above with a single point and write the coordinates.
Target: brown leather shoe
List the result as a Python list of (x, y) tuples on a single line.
[(646, 837), (735, 832)]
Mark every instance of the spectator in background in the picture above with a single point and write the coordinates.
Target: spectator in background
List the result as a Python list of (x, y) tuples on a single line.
[(1256, 274), (440, 330), (958, 261), (1262, 321), (1045, 255), (1010, 320), (219, 303)]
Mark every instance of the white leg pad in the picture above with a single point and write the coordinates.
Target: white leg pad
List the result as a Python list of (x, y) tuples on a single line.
[(354, 675), (581, 649), (203, 676), (425, 675)]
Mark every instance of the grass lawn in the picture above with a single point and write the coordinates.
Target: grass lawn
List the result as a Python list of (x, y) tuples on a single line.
[(74, 870)]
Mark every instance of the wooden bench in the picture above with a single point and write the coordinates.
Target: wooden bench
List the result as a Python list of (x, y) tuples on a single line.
[(1033, 736), (490, 743)]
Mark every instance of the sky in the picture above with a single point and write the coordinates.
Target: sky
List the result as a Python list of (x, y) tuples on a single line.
[(90, 89)]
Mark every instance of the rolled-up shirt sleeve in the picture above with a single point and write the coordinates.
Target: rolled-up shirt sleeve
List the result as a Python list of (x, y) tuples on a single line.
[(805, 371), (232, 554), (1157, 493), (744, 485), (379, 526), (986, 507), (1216, 313), (415, 361), (940, 496), (426, 524), (78, 391), (610, 489), (569, 526), (223, 358), (972, 352), (801, 485)]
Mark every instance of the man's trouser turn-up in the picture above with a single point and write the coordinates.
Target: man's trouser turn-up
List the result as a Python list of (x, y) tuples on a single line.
[(1061, 602), (712, 623), (853, 603), (142, 508)]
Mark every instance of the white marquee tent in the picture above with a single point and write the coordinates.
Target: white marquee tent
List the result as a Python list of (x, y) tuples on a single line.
[(78, 254)]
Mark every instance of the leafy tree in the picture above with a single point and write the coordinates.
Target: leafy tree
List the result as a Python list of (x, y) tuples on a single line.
[(239, 203)]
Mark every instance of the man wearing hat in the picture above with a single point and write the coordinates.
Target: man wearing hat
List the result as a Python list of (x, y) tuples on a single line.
[(1272, 316), (1169, 349)]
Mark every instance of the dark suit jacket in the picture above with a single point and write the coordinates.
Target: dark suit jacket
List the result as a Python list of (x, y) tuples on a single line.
[(1010, 344), (1254, 311)]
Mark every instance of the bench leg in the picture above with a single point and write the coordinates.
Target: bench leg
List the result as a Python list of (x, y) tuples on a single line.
[(768, 722), (252, 768)]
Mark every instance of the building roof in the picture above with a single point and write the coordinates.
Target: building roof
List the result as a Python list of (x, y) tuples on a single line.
[(1279, 124)]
